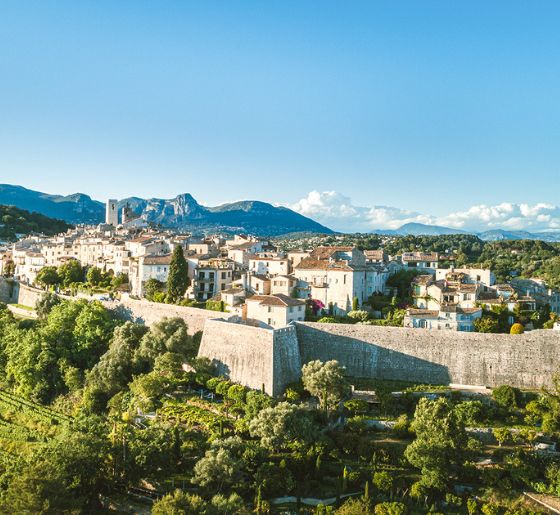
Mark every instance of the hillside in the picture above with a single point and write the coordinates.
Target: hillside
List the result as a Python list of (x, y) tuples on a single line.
[(75, 209), (15, 221)]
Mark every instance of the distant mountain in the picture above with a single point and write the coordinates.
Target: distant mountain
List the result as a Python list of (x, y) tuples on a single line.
[(182, 212), (249, 216), (417, 229), (76, 209)]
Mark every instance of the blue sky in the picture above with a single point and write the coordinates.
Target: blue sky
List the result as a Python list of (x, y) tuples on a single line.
[(430, 106)]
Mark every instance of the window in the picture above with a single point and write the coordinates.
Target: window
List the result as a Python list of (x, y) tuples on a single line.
[(269, 309), (223, 275), (269, 321), (211, 275)]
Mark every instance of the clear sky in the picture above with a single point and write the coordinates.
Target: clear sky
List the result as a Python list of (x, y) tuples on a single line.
[(432, 106)]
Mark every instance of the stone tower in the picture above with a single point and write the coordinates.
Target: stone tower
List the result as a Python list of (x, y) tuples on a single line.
[(112, 213)]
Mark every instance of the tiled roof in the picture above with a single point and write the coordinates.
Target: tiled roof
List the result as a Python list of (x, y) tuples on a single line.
[(326, 252), (278, 299), (157, 260), (425, 313), (420, 256)]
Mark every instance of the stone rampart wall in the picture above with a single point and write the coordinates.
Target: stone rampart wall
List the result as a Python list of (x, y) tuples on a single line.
[(242, 353), (528, 360)]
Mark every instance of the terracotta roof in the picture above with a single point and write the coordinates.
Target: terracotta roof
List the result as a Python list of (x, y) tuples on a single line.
[(327, 252), (423, 279), (375, 254), (420, 256), (426, 313), (458, 309), (320, 264), (278, 299), (232, 291), (157, 260)]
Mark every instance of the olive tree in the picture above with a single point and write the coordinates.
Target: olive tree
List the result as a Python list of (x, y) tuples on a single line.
[(326, 382)]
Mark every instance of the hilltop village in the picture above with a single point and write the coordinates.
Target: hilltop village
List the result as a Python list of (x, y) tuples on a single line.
[(255, 281)]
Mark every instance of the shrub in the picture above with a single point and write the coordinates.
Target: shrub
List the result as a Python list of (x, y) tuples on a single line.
[(222, 387), (356, 406), (237, 393), (390, 508), (517, 329), (211, 384), (358, 315), (507, 396)]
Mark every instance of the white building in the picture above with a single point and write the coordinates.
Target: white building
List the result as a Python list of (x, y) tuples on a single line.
[(274, 311), (336, 275), (148, 267), (420, 260), (268, 264), (449, 318)]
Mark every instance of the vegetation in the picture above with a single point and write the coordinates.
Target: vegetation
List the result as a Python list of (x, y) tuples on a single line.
[(177, 280), (15, 221), (92, 408)]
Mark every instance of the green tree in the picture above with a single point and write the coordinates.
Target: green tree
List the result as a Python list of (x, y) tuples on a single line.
[(167, 335), (177, 280), (179, 503), (486, 324), (66, 475), (326, 382), (507, 397), (355, 506), (45, 304), (217, 470), (153, 289), (95, 276), (71, 272), (390, 508), (383, 481), (48, 276), (281, 425), (440, 444)]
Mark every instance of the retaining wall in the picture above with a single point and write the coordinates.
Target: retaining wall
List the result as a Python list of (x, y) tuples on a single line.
[(146, 312), (528, 360)]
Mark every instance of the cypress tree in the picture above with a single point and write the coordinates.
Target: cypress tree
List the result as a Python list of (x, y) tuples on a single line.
[(178, 280)]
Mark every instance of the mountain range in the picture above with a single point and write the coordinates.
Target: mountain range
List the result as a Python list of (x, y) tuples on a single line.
[(418, 229), (249, 216), (182, 212)]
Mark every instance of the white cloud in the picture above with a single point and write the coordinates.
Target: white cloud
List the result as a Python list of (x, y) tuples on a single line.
[(339, 213)]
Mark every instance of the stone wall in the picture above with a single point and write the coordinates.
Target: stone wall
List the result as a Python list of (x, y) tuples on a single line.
[(8, 290), (286, 359), (146, 312), (527, 360), (242, 353)]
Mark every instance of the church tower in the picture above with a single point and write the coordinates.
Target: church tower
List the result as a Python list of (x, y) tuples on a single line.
[(112, 213)]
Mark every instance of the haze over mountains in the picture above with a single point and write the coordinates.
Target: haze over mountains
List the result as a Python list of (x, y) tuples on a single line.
[(418, 229)]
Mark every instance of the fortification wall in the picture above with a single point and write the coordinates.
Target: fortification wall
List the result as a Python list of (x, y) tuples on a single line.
[(146, 312), (141, 311), (242, 353), (8, 290), (527, 360), (286, 359)]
